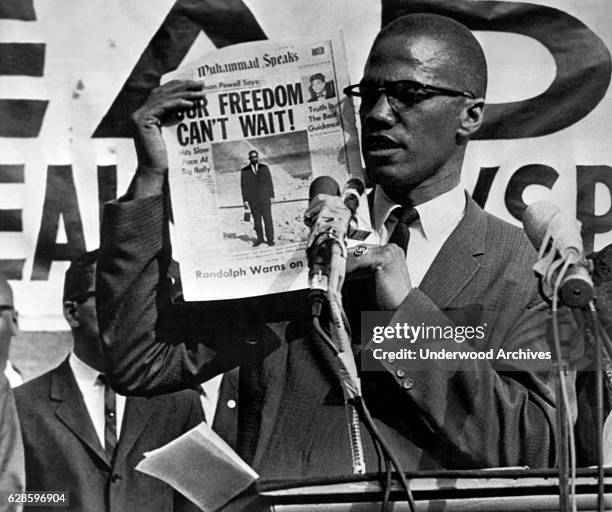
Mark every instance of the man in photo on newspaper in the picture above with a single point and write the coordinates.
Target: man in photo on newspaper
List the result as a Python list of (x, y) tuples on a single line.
[(257, 194), (320, 89), (421, 99)]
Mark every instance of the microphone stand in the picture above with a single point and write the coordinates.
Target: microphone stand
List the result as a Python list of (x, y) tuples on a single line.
[(565, 277), (339, 341), (562, 338), (327, 290), (560, 335), (592, 336), (327, 267)]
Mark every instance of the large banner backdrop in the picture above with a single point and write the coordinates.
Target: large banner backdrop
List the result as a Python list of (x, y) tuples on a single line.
[(71, 72)]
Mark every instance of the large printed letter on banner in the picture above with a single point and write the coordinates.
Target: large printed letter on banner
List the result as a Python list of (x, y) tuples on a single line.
[(582, 60), (225, 23), (60, 183)]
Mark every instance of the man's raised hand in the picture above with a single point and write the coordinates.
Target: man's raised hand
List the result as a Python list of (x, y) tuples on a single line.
[(157, 110)]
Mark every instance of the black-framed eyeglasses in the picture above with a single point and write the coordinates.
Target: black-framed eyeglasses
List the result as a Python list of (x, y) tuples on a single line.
[(401, 94), (6, 307), (80, 298)]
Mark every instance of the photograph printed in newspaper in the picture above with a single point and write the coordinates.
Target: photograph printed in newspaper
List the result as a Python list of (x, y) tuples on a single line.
[(241, 163)]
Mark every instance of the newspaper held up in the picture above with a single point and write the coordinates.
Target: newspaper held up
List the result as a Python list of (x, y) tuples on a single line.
[(241, 162)]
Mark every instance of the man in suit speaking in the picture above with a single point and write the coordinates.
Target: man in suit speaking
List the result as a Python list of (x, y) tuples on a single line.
[(436, 259), (82, 437), (257, 195)]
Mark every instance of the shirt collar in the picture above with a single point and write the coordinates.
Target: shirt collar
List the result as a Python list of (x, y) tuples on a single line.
[(434, 215), (83, 372)]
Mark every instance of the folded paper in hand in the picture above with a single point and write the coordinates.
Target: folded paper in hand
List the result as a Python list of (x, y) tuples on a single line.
[(201, 466)]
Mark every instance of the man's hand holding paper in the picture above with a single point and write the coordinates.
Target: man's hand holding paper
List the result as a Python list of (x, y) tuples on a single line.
[(147, 121)]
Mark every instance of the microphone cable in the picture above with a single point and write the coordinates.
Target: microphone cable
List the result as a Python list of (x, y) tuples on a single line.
[(383, 450), (389, 457)]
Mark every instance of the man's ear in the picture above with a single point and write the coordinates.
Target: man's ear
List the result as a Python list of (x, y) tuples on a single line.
[(14, 323), (70, 313), (471, 118)]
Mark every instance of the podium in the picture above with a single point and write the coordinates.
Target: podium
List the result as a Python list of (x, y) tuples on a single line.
[(498, 490)]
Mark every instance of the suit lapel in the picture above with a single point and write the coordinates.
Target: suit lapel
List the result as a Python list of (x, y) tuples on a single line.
[(71, 409), (135, 417), (460, 252), (225, 419)]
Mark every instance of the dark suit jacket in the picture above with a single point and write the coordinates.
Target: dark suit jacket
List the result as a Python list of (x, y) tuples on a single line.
[(63, 452), (291, 418), (256, 189), (12, 476), (226, 413)]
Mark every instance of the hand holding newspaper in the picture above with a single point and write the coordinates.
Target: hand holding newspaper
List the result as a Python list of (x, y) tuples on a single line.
[(273, 120)]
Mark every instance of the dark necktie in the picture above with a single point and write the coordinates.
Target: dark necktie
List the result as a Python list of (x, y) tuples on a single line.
[(110, 419), (405, 216)]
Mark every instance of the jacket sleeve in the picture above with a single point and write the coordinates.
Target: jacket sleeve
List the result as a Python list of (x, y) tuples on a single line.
[(243, 187), (12, 469), (482, 412), (151, 347), (270, 185)]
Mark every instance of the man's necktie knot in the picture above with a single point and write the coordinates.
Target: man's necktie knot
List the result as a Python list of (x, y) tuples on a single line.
[(405, 216)]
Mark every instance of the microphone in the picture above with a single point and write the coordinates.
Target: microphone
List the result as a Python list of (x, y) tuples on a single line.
[(319, 251), (555, 233), (351, 194), (544, 217), (323, 185)]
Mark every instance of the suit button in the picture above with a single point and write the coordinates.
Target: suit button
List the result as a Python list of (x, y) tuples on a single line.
[(114, 477), (111, 414), (408, 384), (400, 372), (231, 404)]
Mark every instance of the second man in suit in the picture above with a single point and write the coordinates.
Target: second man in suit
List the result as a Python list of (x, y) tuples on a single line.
[(82, 437), (12, 477)]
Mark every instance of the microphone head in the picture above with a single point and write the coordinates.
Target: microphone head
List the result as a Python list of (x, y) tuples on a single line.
[(544, 217), (536, 220), (323, 185), (355, 184), (351, 193)]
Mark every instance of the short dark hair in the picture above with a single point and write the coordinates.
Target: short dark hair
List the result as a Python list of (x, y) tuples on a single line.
[(80, 277), (464, 49), (317, 76), (253, 151)]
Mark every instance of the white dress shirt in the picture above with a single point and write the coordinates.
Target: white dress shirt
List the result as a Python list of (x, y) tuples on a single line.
[(14, 377), (210, 396), (437, 220), (93, 395), (607, 441)]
